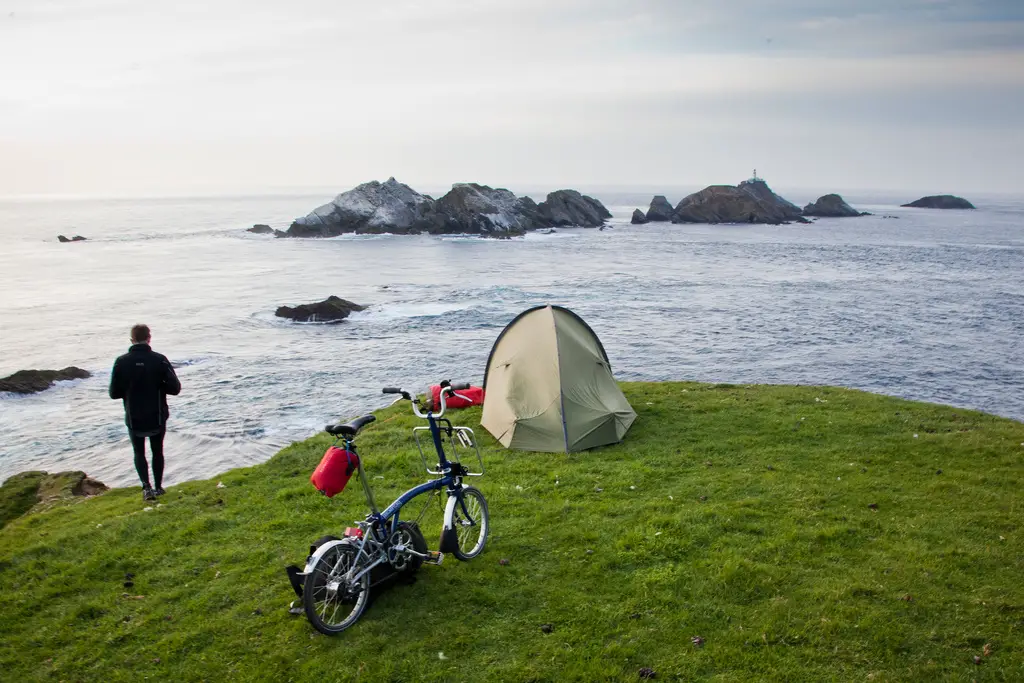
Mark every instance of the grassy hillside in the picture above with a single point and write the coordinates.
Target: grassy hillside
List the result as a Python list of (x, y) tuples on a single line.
[(797, 533)]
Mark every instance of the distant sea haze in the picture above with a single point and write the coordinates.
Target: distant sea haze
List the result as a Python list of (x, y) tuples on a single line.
[(928, 306)]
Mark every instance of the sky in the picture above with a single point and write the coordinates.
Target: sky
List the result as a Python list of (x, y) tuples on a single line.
[(124, 97)]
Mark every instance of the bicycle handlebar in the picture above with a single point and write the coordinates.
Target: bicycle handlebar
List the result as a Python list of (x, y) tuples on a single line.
[(446, 388)]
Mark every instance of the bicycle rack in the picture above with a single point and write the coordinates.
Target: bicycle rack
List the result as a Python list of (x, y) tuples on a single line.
[(460, 435)]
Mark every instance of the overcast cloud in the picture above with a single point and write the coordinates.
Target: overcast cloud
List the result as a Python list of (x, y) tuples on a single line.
[(121, 97)]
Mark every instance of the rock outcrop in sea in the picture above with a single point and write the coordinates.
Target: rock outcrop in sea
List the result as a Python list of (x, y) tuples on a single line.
[(660, 209), (638, 217), (261, 229), (752, 201), (941, 201), (332, 309), (831, 206), (393, 207), (33, 381), (76, 238)]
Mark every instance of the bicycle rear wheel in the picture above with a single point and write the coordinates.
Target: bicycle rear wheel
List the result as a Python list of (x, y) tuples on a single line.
[(470, 523), (332, 604)]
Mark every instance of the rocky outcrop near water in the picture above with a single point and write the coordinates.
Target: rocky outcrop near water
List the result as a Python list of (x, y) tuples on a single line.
[(261, 229), (831, 206), (481, 210), (638, 217), (33, 381), (27, 490), (569, 207), (332, 309), (660, 209), (76, 238), (752, 201), (941, 201), (469, 208)]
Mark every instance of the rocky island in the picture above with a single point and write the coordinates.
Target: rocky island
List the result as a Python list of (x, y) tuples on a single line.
[(752, 201), (33, 381), (831, 206), (468, 208), (330, 310), (940, 201)]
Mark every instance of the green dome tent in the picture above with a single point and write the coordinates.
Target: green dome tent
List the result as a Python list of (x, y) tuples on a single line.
[(549, 386)]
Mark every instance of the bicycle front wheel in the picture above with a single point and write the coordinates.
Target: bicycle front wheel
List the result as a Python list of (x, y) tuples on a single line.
[(470, 523), (332, 603)]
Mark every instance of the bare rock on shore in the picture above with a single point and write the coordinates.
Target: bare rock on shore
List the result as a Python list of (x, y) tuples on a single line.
[(831, 206), (660, 209), (33, 381), (26, 490), (941, 201), (332, 309), (76, 238), (261, 229), (638, 217), (569, 207)]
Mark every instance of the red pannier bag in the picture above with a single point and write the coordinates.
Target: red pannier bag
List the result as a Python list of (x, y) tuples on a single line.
[(334, 471), (474, 394)]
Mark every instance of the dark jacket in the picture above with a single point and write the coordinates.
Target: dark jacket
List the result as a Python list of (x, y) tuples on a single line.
[(142, 378)]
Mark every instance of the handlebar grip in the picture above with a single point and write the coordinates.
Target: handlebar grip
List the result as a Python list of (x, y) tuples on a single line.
[(391, 390), (461, 386)]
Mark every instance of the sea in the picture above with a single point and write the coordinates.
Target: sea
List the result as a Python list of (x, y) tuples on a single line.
[(920, 304)]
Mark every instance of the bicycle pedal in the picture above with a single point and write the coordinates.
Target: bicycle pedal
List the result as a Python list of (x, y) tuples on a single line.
[(434, 557)]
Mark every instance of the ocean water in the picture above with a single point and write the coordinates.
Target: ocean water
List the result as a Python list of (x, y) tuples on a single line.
[(928, 306)]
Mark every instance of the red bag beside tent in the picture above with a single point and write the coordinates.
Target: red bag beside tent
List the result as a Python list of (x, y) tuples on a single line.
[(334, 471), (474, 394)]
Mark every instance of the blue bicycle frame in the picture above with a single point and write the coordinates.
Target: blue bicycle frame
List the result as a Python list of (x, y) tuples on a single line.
[(451, 480)]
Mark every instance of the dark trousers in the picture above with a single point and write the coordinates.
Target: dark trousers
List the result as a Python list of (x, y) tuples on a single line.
[(156, 445)]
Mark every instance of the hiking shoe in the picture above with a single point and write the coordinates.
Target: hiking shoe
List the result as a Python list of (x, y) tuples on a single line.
[(148, 494), (159, 491)]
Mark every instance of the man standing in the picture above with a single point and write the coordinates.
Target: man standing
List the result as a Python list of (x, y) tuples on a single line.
[(142, 378)]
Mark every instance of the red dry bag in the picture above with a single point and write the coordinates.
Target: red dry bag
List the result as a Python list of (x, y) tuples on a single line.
[(474, 394), (334, 471)]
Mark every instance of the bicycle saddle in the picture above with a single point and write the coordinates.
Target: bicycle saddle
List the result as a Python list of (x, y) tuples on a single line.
[(350, 428)]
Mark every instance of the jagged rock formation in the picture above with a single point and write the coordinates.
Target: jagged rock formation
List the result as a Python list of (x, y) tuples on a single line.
[(752, 201), (638, 217), (76, 238), (32, 381), (261, 229), (941, 201), (831, 206), (660, 209), (393, 207), (332, 309), (482, 210), (569, 207)]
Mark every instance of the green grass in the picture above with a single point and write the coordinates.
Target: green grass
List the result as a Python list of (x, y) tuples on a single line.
[(738, 514)]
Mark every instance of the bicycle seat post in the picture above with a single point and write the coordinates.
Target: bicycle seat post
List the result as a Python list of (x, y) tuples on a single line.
[(349, 445)]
